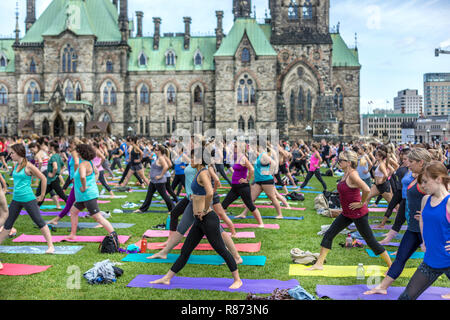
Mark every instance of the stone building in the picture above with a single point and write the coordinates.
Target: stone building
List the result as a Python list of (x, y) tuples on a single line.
[(80, 63)]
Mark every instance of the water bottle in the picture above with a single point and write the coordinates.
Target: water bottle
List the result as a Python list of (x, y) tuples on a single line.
[(143, 245), (360, 272), (349, 241), (168, 222)]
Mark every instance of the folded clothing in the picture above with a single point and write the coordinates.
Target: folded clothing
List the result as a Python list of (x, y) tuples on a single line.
[(303, 257)]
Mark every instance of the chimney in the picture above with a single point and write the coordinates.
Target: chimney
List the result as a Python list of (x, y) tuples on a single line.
[(139, 17), (219, 29), (31, 14), (157, 35), (187, 32), (123, 20)]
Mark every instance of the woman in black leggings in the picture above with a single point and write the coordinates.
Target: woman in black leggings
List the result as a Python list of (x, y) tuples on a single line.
[(206, 223)]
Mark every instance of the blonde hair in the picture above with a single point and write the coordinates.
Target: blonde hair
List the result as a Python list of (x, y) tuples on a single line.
[(436, 155), (419, 154), (350, 156)]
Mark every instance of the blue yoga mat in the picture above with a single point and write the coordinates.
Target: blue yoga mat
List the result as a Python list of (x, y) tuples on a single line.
[(416, 255), (39, 249), (195, 259), (267, 217)]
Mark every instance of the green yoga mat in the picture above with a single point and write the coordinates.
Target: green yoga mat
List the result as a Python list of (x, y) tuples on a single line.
[(194, 259)]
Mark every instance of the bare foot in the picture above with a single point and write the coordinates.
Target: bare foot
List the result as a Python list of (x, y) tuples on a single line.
[(59, 208), (137, 211), (233, 234), (236, 285), (98, 226), (315, 267), (70, 237), (1, 268), (163, 244), (444, 296), (238, 260), (53, 221), (279, 217), (376, 290), (241, 216), (380, 226), (261, 226), (163, 280), (50, 250), (158, 255), (394, 253), (385, 241)]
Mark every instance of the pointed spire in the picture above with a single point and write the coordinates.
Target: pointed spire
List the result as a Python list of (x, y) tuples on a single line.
[(17, 22), (356, 41)]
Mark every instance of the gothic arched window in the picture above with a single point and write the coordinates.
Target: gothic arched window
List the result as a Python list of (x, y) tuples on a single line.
[(3, 61), (341, 127), (144, 95), (245, 56), (251, 123), (142, 60), (198, 60), (170, 58), (338, 99), (109, 66), (69, 91), (171, 94), (307, 10), (246, 92), (33, 93), (32, 66), (198, 95), (241, 124), (168, 126), (141, 126), (3, 95), (78, 92), (308, 106), (292, 106), (109, 94), (293, 11), (300, 105), (69, 59)]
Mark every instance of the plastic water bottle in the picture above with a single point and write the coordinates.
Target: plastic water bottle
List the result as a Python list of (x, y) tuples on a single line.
[(349, 241), (360, 274), (168, 222)]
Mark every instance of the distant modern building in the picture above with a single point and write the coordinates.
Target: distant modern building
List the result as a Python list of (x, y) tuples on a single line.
[(408, 101), (387, 126), (436, 88), (434, 128)]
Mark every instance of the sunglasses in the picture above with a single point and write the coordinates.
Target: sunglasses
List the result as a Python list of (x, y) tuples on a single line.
[(340, 160)]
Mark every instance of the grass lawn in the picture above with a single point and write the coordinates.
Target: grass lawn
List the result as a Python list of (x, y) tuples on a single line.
[(276, 245)]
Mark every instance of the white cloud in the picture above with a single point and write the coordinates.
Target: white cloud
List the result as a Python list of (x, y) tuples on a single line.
[(374, 17)]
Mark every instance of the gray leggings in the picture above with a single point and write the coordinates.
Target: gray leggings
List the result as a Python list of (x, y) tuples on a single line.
[(187, 220), (33, 211)]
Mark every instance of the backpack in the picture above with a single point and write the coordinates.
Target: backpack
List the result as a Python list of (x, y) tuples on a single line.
[(295, 196), (110, 244), (321, 205), (333, 199)]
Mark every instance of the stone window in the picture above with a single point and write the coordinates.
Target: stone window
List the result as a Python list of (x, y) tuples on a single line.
[(142, 60), (147, 126), (68, 92), (109, 94), (174, 125), (33, 93), (45, 127), (307, 10), (198, 59), (292, 106), (168, 126), (338, 99), (170, 58), (300, 105), (3, 60), (144, 95), (69, 59), (3, 95), (341, 127), (141, 126), (246, 92), (198, 95), (78, 92), (308, 106), (293, 11), (241, 124), (245, 56), (109, 66), (171, 95), (32, 66), (251, 123)]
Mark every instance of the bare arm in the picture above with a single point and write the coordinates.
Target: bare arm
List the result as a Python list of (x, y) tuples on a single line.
[(38, 174), (356, 181)]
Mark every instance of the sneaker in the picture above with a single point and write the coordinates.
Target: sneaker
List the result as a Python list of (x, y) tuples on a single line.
[(106, 214), (161, 226), (102, 192), (117, 211)]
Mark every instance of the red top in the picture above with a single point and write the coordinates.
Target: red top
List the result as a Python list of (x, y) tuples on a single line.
[(347, 196)]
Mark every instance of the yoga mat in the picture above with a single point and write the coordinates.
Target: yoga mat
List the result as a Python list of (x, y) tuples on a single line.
[(165, 234), (252, 225), (268, 217), (377, 209), (81, 214), (356, 292), (390, 244), (374, 227), (39, 249), (39, 238), (61, 200), (105, 196), (91, 225), (241, 247), (195, 259), (258, 286), (12, 269), (265, 207), (344, 271), (416, 255), (149, 211), (49, 207), (358, 236)]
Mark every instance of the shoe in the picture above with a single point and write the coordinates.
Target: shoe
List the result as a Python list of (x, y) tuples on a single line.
[(117, 211), (161, 226), (102, 192), (106, 214)]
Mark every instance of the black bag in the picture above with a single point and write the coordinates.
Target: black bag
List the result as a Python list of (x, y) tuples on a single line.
[(110, 244), (117, 271), (295, 196), (328, 173), (333, 199)]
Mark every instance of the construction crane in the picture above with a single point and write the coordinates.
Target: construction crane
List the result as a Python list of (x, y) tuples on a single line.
[(440, 51)]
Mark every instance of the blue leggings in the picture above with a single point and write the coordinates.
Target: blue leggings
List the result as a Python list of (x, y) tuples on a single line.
[(411, 241)]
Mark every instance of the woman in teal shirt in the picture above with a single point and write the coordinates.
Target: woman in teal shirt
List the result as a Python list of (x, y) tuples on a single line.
[(23, 196), (86, 191)]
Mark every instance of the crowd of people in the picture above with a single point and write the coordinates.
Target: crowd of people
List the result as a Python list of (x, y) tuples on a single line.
[(412, 178)]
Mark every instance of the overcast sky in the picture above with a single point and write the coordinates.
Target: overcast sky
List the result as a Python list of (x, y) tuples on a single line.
[(396, 38)]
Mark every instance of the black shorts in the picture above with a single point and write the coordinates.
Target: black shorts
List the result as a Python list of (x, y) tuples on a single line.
[(3, 154), (216, 198), (282, 169), (384, 187), (90, 205), (136, 167), (266, 182)]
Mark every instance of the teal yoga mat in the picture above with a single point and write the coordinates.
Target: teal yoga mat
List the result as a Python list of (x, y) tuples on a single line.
[(195, 259), (39, 249), (416, 255)]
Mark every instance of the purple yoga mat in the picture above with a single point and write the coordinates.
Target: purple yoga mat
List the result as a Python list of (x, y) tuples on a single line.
[(374, 227), (355, 292), (55, 213), (218, 284), (390, 244)]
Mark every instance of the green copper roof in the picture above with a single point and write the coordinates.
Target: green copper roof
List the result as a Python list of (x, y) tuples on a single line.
[(92, 17), (156, 59), (342, 55), (256, 35), (391, 115), (7, 50)]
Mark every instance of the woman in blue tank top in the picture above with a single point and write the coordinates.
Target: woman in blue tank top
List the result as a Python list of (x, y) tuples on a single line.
[(86, 191), (435, 228)]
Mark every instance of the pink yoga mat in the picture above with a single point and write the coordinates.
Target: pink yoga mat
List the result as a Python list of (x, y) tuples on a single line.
[(377, 209), (39, 238), (251, 225), (241, 247), (165, 234), (99, 201), (12, 269), (265, 207)]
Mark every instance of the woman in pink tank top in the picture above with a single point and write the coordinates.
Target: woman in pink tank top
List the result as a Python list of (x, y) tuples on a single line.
[(354, 210), (314, 167)]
